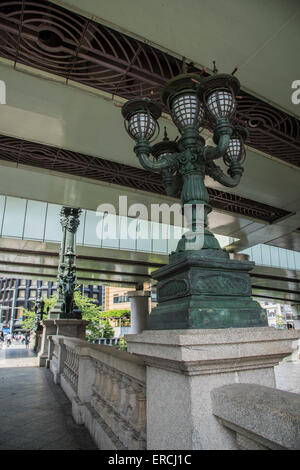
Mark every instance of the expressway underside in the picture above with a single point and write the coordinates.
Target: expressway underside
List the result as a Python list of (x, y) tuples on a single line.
[(37, 260)]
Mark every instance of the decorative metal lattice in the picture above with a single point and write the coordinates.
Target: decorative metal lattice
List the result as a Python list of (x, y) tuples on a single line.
[(74, 163), (51, 38)]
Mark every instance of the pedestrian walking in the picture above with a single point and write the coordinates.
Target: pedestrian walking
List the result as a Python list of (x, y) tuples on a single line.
[(27, 340), (8, 339)]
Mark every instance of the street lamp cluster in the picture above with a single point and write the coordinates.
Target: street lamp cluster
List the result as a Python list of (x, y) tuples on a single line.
[(201, 287), (193, 101)]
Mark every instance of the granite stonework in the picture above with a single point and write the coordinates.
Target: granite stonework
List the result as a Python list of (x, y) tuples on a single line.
[(61, 327), (205, 289), (71, 328), (139, 310), (261, 417), (49, 328), (107, 388), (184, 366), (165, 393)]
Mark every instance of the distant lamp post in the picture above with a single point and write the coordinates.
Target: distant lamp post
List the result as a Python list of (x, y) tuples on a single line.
[(201, 287), (69, 308), (38, 318), (66, 277)]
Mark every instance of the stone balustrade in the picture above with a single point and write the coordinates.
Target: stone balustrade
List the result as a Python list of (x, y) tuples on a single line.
[(261, 418), (71, 366), (181, 389), (107, 388)]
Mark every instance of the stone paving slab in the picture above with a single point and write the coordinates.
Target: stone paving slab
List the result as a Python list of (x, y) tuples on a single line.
[(288, 376), (35, 414)]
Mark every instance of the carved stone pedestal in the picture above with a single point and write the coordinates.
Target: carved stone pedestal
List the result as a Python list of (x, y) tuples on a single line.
[(38, 339), (62, 327), (205, 290), (72, 328), (184, 366), (56, 310), (49, 328)]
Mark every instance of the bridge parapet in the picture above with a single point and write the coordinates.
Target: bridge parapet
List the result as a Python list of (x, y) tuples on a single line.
[(262, 418), (107, 388), (181, 389)]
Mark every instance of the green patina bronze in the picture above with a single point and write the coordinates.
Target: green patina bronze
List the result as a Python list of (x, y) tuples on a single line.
[(65, 306), (201, 287)]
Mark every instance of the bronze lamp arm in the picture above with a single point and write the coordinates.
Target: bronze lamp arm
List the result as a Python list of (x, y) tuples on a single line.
[(235, 174)]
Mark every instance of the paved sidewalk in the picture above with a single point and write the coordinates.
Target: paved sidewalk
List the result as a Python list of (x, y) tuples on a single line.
[(288, 376), (34, 412)]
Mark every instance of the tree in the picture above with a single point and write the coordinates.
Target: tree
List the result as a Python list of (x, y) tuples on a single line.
[(280, 323), (98, 327), (49, 304), (28, 319), (123, 315), (90, 312), (29, 315), (107, 330), (122, 344)]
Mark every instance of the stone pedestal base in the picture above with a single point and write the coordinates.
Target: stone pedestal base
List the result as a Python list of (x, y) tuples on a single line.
[(37, 339), (139, 311), (184, 366), (71, 328), (56, 310), (49, 328)]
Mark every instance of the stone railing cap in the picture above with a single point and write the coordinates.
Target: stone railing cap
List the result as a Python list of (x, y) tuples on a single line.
[(267, 412)]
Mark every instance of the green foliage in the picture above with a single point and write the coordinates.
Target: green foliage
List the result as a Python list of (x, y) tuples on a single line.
[(49, 304), (115, 313), (280, 323), (98, 327), (107, 330), (28, 319), (90, 312), (122, 344), (28, 315)]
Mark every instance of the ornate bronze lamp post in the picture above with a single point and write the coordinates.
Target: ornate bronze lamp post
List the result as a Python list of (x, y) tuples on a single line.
[(69, 308), (66, 278), (39, 312), (200, 287), (65, 318)]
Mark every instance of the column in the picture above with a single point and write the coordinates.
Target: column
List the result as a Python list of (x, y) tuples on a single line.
[(184, 366), (49, 328), (139, 310), (296, 316)]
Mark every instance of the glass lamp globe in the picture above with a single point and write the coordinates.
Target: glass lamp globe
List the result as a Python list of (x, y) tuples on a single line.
[(221, 103), (218, 93), (141, 116), (235, 152), (187, 110), (141, 125)]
